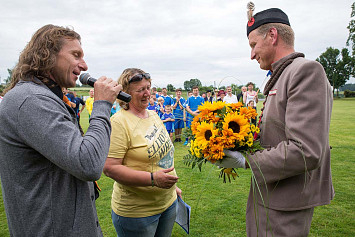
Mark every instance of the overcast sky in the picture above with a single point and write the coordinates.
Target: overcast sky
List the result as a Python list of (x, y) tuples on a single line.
[(172, 40)]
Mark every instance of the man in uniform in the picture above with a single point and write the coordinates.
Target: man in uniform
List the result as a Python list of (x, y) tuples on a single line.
[(293, 172)]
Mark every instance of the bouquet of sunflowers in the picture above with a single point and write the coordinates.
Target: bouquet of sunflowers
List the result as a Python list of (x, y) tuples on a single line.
[(221, 126)]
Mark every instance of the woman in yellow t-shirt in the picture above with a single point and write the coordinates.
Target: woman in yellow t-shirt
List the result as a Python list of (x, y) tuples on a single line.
[(141, 161)]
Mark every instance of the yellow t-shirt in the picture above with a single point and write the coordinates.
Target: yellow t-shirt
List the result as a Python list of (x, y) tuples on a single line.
[(89, 104), (145, 145)]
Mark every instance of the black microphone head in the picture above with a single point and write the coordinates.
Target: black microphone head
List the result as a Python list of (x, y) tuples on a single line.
[(84, 77)]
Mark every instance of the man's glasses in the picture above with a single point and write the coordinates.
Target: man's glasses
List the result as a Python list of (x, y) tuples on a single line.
[(139, 77)]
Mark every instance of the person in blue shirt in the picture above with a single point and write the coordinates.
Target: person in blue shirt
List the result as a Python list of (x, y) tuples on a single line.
[(168, 119), (152, 105), (115, 107), (154, 92), (70, 96), (179, 113), (167, 99), (77, 100), (160, 107), (192, 105)]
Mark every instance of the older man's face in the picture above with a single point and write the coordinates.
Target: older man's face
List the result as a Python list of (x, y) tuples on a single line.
[(261, 49)]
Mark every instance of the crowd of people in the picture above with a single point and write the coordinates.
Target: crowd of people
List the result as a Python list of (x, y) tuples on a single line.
[(49, 168), (177, 112)]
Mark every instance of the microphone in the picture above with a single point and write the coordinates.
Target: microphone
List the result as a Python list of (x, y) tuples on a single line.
[(86, 79)]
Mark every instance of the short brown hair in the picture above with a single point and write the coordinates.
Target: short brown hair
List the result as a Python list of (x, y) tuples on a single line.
[(250, 83), (286, 33)]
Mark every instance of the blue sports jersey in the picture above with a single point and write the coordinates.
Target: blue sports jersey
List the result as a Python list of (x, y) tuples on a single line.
[(152, 107), (167, 100), (158, 110), (194, 102), (178, 112), (70, 97), (169, 125)]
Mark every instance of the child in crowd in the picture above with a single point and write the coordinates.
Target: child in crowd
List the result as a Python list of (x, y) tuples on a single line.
[(152, 105), (251, 104), (160, 106), (168, 119)]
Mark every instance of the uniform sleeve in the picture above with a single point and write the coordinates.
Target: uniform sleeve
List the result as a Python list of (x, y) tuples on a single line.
[(51, 132), (187, 102), (307, 119), (172, 101)]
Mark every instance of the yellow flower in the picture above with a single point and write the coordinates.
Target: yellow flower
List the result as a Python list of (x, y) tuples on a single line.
[(249, 143), (248, 112), (218, 105), (236, 106), (257, 129), (206, 107), (192, 147), (236, 125), (252, 128), (198, 153), (204, 133), (195, 122)]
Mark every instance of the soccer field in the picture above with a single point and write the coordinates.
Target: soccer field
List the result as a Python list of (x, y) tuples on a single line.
[(218, 209)]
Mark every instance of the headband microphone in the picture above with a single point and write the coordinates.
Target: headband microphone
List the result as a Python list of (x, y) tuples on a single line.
[(86, 79)]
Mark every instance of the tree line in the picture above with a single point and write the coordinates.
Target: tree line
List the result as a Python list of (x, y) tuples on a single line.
[(339, 65)]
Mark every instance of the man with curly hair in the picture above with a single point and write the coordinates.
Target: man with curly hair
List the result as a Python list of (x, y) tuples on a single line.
[(47, 167)]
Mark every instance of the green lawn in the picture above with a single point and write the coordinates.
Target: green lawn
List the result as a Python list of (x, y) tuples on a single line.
[(219, 209)]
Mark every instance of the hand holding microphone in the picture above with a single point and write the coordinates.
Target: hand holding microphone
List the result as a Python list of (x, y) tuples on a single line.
[(105, 88)]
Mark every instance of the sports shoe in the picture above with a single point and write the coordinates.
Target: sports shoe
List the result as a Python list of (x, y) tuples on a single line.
[(186, 143)]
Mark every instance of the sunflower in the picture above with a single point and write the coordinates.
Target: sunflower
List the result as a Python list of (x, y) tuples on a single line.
[(218, 105), (236, 106), (252, 128), (206, 107), (194, 124), (236, 125), (204, 133), (248, 112)]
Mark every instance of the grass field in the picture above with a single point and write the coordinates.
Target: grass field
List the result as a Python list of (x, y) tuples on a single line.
[(219, 209)]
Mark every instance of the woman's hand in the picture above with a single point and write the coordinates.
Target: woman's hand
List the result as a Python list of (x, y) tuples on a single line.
[(178, 192), (164, 180)]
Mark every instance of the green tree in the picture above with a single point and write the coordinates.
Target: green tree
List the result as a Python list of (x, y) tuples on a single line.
[(338, 69), (351, 38), (191, 83), (351, 28), (170, 87), (8, 79)]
